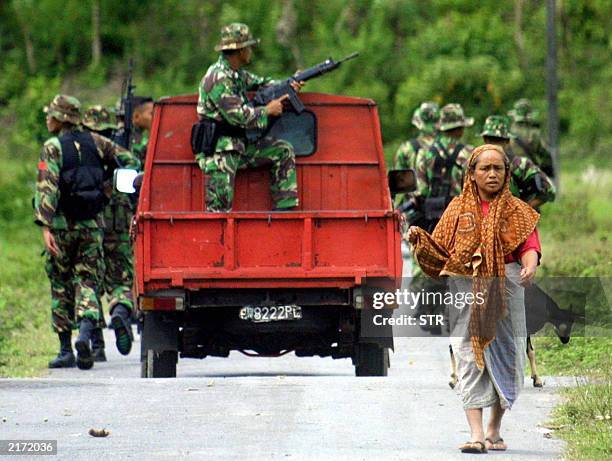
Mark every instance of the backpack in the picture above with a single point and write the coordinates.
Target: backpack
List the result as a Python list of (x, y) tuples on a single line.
[(81, 177), (435, 204)]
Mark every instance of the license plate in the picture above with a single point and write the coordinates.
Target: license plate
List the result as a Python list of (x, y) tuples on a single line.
[(261, 314)]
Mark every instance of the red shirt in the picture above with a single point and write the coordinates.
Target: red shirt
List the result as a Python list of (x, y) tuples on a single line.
[(532, 242)]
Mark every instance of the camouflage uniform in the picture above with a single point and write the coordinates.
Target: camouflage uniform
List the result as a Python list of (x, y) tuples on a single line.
[(222, 97), (451, 117), (139, 143), (74, 274), (526, 138), (118, 274), (528, 181), (441, 186), (424, 119)]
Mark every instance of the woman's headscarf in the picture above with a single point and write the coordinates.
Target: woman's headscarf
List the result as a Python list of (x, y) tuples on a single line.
[(465, 243)]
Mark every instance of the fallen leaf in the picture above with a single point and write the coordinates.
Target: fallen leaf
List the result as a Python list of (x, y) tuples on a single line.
[(99, 432)]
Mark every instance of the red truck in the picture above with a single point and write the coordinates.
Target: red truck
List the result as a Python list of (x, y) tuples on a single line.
[(264, 282)]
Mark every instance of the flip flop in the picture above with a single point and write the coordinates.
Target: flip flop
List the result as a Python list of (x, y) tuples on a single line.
[(497, 445), (473, 447)]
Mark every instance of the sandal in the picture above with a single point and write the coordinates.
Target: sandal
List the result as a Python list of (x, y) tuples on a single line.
[(497, 445), (473, 447)]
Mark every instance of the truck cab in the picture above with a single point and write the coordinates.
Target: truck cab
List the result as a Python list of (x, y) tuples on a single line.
[(263, 282)]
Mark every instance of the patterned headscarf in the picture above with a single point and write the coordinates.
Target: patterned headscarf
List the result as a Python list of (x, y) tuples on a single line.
[(465, 243)]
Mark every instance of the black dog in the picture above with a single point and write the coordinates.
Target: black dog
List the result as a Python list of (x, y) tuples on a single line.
[(539, 310)]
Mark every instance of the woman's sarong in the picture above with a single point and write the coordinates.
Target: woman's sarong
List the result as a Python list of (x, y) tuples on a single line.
[(503, 375)]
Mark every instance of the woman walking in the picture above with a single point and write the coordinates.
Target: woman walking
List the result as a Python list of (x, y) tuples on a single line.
[(487, 243)]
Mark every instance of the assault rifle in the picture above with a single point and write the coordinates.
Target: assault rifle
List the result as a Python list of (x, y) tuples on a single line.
[(123, 135), (271, 92), (277, 90)]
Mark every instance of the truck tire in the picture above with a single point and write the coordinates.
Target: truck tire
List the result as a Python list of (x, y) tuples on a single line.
[(372, 360), (158, 364)]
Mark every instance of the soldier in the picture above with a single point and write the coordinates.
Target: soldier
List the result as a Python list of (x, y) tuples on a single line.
[(68, 204), (439, 172), (118, 270), (439, 169), (142, 120), (223, 99), (528, 182), (526, 140), (425, 118)]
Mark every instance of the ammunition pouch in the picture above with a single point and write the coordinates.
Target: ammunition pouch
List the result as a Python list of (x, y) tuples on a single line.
[(206, 132)]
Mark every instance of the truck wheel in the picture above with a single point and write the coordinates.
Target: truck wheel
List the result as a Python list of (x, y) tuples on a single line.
[(158, 364), (372, 360)]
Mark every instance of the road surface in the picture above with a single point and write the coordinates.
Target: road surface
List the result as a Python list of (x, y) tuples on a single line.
[(284, 408)]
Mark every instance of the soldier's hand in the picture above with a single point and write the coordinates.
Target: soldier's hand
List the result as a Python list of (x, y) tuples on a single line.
[(133, 228), (50, 243), (297, 86), (275, 107)]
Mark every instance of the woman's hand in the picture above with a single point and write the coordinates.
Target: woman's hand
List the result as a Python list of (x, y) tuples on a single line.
[(527, 275), (529, 262), (411, 235)]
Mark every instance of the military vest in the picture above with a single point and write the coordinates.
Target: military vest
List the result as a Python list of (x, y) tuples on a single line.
[(81, 177)]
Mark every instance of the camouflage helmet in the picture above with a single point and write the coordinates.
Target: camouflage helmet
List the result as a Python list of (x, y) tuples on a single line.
[(451, 116), (523, 112), (99, 118), (235, 36), (426, 116), (497, 126), (64, 108)]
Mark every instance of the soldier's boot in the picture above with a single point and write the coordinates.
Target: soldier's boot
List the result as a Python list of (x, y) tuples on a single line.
[(65, 358), (97, 345), (85, 359), (121, 322)]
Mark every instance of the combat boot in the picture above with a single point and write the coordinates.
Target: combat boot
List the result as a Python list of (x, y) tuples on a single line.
[(84, 357), (65, 358), (97, 345), (121, 322)]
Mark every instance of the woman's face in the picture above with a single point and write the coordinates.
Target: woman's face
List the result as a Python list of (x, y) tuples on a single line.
[(489, 173)]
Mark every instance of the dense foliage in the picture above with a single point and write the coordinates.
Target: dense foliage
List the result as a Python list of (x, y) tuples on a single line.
[(484, 54)]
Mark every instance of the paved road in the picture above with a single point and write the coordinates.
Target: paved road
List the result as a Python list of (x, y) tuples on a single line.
[(260, 408)]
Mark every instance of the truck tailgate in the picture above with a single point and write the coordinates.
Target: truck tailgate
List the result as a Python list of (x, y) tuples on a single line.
[(262, 249)]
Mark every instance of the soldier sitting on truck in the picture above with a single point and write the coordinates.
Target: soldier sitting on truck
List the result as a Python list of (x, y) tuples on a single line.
[(223, 102)]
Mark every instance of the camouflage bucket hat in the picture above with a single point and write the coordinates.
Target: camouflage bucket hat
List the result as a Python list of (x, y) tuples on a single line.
[(497, 126), (236, 36), (523, 112), (451, 116), (426, 116), (99, 118), (64, 108)]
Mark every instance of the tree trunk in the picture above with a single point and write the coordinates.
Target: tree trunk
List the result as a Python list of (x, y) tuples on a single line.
[(29, 47), (96, 44), (519, 38), (27, 36), (286, 31)]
